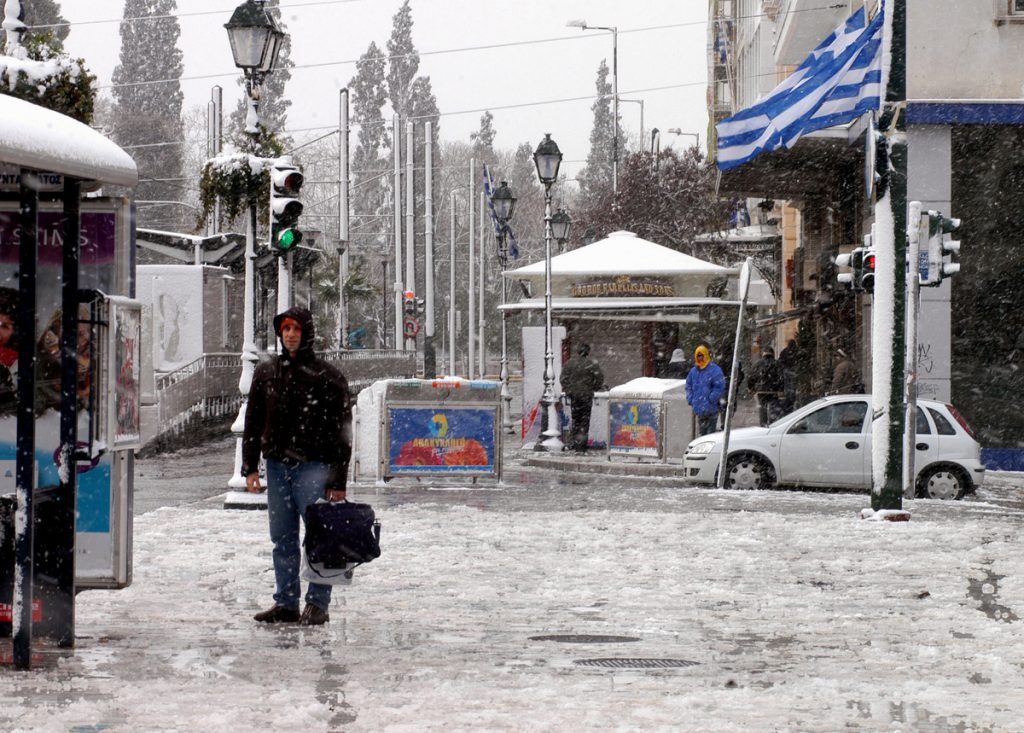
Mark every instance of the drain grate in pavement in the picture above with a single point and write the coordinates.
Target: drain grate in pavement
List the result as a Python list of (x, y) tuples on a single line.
[(635, 663), (585, 638)]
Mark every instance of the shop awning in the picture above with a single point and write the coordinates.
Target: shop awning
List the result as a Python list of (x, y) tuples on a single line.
[(619, 309), (808, 168)]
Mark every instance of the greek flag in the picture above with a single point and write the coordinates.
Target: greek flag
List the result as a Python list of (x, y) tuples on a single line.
[(510, 238), (838, 82)]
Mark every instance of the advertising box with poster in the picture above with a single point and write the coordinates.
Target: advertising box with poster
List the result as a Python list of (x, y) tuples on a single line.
[(104, 481)]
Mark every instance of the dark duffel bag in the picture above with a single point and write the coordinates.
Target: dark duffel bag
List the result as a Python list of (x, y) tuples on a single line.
[(341, 533)]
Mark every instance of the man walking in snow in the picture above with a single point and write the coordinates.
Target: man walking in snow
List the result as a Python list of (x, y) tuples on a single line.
[(299, 417)]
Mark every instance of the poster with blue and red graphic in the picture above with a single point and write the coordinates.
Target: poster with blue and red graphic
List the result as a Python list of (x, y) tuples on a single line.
[(634, 427), (441, 440)]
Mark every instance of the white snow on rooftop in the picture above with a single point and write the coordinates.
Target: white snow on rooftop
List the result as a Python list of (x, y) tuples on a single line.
[(622, 253), (38, 138)]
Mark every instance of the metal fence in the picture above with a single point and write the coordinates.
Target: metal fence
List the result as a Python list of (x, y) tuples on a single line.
[(208, 387)]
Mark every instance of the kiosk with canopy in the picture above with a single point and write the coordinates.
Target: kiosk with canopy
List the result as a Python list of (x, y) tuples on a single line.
[(69, 371)]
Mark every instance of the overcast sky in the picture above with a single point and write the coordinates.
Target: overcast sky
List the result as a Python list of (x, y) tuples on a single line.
[(518, 55)]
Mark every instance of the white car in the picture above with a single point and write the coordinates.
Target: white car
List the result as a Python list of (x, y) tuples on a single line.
[(828, 443)]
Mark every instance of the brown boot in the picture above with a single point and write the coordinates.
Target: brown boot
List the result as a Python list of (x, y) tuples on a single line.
[(278, 615), (313, 616)]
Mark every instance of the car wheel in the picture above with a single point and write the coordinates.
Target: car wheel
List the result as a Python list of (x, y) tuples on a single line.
[(942, 482), (749, 472)]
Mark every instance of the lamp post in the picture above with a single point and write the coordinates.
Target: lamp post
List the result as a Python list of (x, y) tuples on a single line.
[(504, 204), (255, 41), (547, 158), (560, 224), (677, 131), (641, 103), (614, 95)]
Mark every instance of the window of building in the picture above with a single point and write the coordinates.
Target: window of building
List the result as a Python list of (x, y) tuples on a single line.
[(1017, 7)]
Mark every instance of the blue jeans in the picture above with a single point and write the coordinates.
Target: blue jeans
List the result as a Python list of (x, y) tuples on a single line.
[(707, 423), (290, 489)]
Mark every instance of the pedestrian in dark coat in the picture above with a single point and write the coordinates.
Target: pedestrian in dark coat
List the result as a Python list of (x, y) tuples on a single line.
[(705, 385), (788, 362), (768, 383), (677, 367), (581, 377), (845, 379), (299, 417)]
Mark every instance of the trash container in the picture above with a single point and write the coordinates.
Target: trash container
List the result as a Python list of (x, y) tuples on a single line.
[(433, 427), (649, 419)]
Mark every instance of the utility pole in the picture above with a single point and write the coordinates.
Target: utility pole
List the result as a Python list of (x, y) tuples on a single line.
[(891, 211), (429, 350)]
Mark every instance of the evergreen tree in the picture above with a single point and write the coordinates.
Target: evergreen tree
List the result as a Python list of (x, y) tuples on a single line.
[(370, 192), (43, 18), (483, 139), (597, 175), (148, 99), (274, 102), (403, 61), (670, 205)]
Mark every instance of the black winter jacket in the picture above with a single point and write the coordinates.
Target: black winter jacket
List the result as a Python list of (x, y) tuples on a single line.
[(299, 409)]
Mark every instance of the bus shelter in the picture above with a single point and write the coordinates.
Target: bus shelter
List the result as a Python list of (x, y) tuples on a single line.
[(69, 389)]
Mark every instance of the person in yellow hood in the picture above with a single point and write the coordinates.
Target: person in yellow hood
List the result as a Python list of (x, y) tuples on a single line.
[(705, 385)]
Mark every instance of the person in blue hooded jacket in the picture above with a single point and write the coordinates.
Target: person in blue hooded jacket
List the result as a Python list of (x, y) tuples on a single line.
[(705, 385)]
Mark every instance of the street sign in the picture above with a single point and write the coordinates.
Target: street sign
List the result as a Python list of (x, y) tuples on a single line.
[(410, 327)]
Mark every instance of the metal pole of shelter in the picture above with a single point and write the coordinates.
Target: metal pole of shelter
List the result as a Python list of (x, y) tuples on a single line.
[(25, 463), (64, 612)]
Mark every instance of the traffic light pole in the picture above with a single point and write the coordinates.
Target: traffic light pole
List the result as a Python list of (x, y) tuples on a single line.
[(913, 308), (887, 434)]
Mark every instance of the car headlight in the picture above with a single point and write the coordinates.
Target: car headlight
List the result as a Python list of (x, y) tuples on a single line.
[(702, 448)]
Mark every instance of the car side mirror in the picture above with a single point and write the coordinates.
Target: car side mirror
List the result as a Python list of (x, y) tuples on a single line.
[(800, 427)]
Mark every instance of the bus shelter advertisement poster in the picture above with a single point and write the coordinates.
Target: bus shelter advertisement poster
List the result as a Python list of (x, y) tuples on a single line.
[(441, 440), (634, 427), (97, 265)]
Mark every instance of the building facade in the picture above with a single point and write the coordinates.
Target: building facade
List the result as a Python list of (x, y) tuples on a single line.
[(965, 129)]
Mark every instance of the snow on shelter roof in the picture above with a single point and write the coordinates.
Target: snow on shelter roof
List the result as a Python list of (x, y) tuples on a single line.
[(41, 139), (622, 253)]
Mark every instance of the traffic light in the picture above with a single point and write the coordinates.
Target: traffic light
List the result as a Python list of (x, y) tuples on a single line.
[(867, 274), (941, 248), (854, 259), (409, 303), (285, 207)]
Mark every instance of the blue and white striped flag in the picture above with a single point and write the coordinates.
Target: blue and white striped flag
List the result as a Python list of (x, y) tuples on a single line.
[(839, 81), (510, 239)]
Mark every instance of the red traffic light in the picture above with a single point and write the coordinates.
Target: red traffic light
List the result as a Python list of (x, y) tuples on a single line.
[(869, 262)]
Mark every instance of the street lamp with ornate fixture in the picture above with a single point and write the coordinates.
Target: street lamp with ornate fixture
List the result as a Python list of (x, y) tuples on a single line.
[(504, 204), (255, 42), (547, 158), (560, 224)]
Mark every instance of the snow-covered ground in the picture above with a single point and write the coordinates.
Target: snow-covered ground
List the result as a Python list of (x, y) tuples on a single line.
[(783, 612)]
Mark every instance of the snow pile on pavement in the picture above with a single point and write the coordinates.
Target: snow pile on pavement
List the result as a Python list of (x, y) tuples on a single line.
[(794, 614)]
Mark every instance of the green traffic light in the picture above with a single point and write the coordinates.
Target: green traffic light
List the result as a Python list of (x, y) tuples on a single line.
[(288, 238)]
